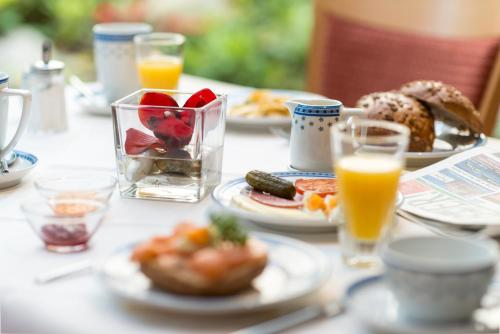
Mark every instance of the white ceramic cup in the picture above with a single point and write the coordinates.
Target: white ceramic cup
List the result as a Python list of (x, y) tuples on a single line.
[(310, 135), (115, 57), (7, 145), (437, 279)]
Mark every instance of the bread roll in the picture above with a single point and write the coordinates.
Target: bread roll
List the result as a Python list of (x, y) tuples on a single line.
[(446, 102), (399, 108), (175, 273)]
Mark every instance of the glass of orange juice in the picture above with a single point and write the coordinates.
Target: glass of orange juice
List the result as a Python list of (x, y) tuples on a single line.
[(368, 160), (159, 59)]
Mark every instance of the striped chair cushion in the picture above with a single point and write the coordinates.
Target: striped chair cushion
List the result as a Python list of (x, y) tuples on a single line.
[(358, 59)]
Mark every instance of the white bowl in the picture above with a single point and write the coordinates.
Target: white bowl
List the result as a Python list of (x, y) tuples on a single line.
[(437, 279)]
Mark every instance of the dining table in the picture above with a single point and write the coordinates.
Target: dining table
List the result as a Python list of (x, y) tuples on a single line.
[(81, 304)]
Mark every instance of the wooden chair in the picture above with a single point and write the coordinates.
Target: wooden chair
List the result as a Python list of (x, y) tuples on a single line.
[(362, 46)]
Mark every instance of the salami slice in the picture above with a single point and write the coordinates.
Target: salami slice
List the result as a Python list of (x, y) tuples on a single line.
[(275, 201)]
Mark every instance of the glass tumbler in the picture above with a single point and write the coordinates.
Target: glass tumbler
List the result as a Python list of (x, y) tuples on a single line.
[(168, 153), (159, 59), (368, 161)]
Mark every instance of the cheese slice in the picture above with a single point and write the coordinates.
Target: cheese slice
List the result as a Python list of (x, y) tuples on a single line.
[(246, 203)]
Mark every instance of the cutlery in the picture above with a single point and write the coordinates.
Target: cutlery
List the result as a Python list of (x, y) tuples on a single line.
[(280, 133), (443, 229), (4, 167), (85, 266), (82, 88), (295, 318)]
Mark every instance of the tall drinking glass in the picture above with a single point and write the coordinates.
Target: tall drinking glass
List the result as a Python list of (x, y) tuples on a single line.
[(368, 160), (159, 59)]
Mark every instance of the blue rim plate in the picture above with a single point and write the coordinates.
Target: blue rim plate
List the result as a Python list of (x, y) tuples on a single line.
[(224, 193), (282, 282)]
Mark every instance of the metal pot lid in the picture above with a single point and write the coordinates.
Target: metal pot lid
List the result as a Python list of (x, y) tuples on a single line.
[(47, 64), (51, 66), (4, 78)]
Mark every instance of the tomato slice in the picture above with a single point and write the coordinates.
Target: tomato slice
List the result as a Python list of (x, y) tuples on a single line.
[(322, 187), (150, 116)]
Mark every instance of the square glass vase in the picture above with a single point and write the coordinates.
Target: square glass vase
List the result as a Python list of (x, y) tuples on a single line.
[(168, 153)]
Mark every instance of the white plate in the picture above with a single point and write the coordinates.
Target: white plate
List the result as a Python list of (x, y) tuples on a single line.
[(444, 147), (282, 282), (239, 97), (224, 193), (19, 168), (385, 317), (446, 144)]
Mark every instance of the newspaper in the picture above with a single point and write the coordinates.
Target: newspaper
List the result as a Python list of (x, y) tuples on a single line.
[(463, 189)]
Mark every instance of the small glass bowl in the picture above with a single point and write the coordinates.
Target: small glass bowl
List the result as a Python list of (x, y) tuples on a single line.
[(65, 225), (93, 186)]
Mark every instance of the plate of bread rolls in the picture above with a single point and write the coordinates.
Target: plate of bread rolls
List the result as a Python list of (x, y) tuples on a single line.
[(442, 121)]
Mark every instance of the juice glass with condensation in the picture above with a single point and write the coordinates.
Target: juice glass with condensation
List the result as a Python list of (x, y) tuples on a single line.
[(159, 59), (368, 160)]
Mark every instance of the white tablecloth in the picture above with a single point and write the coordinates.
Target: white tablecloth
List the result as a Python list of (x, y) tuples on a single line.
[(81, 305)]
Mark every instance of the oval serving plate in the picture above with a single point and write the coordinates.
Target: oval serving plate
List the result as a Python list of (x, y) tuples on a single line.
[(422, 159), (224, 193), (239, 97), (282, 282), (446, 144)]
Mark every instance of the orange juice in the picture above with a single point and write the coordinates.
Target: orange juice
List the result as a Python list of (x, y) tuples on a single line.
[(160, 72), (367, 190)]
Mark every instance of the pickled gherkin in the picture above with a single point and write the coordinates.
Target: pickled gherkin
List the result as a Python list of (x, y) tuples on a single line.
[(268, 183)]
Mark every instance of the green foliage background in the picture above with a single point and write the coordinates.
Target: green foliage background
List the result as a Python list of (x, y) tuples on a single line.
[(261, 43)]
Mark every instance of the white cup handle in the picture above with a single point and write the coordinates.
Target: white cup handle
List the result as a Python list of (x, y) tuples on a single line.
[(26, 96), (351, 112)]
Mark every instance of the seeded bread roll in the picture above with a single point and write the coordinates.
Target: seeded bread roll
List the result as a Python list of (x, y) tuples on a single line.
[(399, 108), (446, 102)]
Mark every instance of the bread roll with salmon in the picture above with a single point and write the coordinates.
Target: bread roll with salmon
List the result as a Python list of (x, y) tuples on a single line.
[(218, 259)]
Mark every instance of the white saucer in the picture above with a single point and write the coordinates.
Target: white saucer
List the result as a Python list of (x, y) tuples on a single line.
[(282, 282), (22, 166), (371, 301)]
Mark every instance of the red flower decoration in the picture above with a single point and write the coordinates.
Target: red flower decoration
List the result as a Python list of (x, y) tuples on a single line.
[(138, 142), (150, 116), (200, 98), (173, 129), (174, 132)]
